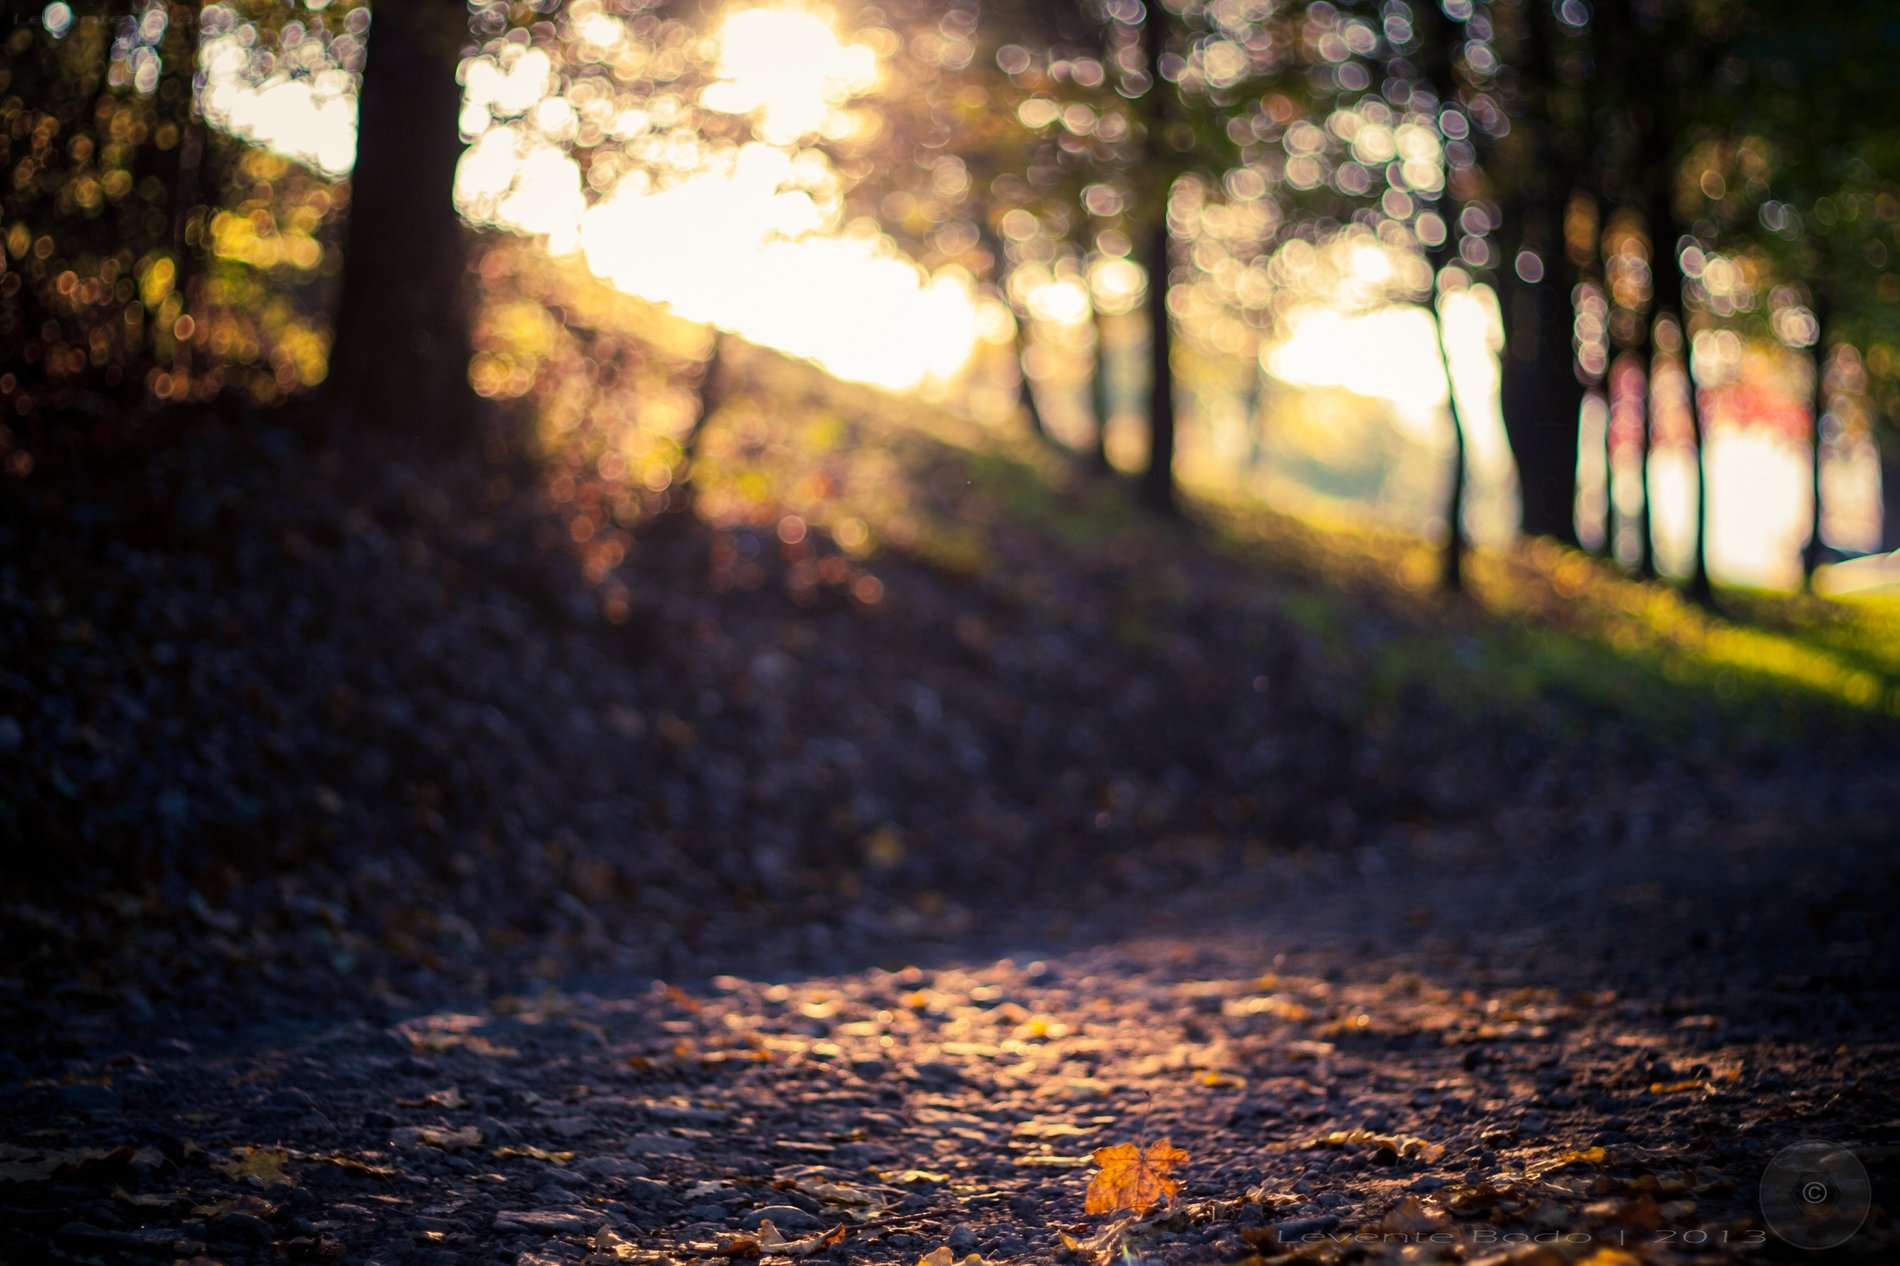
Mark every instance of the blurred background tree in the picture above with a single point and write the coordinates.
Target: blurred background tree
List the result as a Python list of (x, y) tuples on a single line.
[(1187, 186)]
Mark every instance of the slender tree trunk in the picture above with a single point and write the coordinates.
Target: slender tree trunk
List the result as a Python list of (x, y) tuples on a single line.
[(712, 392), (1019, 343), (1666, 270), (1452, 577), (1256, 425), (400, 359), (1645, 349), (1889, 494), (1437, 39), (1811, 553), (1157, 478), (1101, 395), (1025, 385)]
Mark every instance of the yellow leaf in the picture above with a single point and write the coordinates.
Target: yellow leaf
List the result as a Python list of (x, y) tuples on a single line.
[(532, 1153), (1133, 1179), (942, 1256), (259, 1166), (772, 1241), (438, 1136)]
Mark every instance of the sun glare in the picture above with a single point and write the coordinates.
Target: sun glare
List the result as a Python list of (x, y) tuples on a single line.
[(311, 118), (748, 240), (790, 67)]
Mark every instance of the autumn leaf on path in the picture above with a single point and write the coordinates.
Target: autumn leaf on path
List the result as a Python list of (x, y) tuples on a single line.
[(772, 1241), (1133, 1179), (942, 1256), (1102, 1247), (259, 1166), (439, 1136)]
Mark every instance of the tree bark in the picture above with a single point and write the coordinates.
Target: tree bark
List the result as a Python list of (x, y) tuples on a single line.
[(1156, 488), (1025, 385), (1452, 576), (1889, 495), (1540, 391), (1101, 395), (1157, 478), (1812, 551), (1666, 271), (400, 357)]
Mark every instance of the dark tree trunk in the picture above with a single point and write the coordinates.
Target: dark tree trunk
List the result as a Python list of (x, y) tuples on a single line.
[(1101, 396), (1542, 400), (400, 359), (1438, 73), (1025, 385), (1644, 346), (1811, 552), (1540, 391), (1452, 577), (1890, 494), (1019, 344), (1157, 478), (1257, 396), (1667, 281)]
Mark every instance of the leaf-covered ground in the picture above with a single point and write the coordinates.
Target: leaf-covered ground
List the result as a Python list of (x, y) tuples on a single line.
[(357, 793)]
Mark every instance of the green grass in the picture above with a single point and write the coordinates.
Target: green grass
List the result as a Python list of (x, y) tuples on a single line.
[(1542, 632)]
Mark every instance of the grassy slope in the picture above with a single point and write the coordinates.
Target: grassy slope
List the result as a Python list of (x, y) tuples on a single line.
[(1547, 629)]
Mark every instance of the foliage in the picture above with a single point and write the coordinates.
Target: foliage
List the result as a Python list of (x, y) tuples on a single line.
[(1134, 1179)]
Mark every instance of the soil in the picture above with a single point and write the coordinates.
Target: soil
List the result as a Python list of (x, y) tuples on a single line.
[(407, 908)]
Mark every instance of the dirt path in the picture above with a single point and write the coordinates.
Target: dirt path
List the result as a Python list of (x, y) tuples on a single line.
[(1453, 1044)]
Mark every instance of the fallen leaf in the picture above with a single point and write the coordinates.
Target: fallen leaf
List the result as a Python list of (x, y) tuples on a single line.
[(942, 1256), (259, 1166), (255, 1206), (437, 1136), (1050, 1130), (356, 1166), (1411, 1216), (1403, 1146), (1100, 1248), (532, 1153), (771, 1241), (20, 1164), (1134, 1179)]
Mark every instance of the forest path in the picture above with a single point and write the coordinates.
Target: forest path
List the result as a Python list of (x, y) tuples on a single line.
[(1463, 1040)]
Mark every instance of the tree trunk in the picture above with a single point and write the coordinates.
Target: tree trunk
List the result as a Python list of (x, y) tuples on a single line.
[(1025, 385), (1452, 577), (1645, 348), (1101, 396), (1889, 494), (1540, 391), (400, 358), (1541, 398), (1811, 553), (1157, 478), (1666, 271)]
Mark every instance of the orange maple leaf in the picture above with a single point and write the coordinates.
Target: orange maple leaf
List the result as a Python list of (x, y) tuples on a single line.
[(1133, 1179)]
